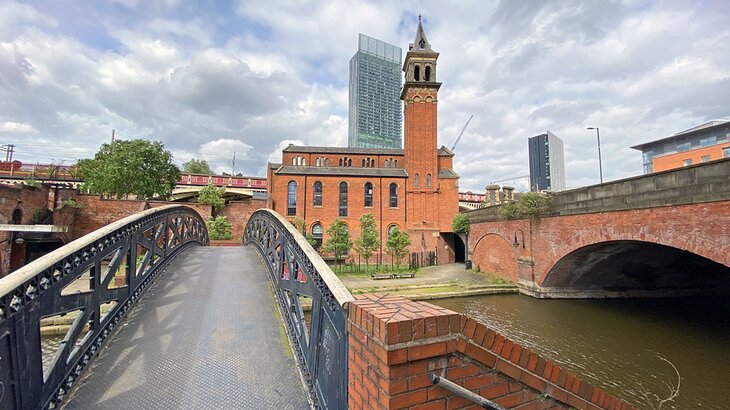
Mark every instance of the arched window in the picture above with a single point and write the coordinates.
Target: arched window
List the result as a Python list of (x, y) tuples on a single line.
[(417, 73), (316, 162), (294, 161), (304, 161), (363, 162), (427, 76), (317, 234), (415, 180), (340, 161), (368, 194), (317, 200), (349, 162), (326, 162), (391, 228), (343, 198), (291, 200), (393, 195), (372, 163), (395, 163), (428, 180)]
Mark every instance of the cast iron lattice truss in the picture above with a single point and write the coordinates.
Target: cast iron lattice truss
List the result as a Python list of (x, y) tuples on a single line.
[(114, 264), (297, 272)]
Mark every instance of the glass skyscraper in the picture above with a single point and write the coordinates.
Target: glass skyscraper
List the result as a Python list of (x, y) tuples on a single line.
[(547, 165), (375, 117)]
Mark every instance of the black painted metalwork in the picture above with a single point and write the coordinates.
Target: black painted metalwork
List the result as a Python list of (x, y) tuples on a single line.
[(298, 273), (132, 250)]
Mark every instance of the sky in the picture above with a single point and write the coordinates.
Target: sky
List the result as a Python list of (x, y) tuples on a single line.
[(209, 78)]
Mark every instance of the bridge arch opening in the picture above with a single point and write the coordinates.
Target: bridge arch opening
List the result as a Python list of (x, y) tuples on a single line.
[(630, 268)]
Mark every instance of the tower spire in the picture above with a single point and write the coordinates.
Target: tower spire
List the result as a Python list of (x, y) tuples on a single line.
[(421, 42)]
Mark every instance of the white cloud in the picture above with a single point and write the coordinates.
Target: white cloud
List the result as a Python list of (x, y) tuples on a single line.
[(16, 127), (209, 80)]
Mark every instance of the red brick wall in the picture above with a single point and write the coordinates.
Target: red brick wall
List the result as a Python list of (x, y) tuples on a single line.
[(703, 229), (98, 212), (238, 214), (394, 344), (27, 200)]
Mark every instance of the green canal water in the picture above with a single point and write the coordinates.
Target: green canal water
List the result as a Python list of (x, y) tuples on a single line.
[(614, 343)]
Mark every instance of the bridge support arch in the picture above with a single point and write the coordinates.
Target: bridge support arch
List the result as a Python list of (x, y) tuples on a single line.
[(494, 253), (630, 268)]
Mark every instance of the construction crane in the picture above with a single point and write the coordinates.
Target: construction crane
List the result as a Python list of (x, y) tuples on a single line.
[(458, 137)]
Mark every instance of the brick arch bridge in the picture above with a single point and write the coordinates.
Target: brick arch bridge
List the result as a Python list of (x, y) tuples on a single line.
[(653, 250)]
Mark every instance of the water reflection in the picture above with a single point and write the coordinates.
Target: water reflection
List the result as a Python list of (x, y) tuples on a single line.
[(614, 343)]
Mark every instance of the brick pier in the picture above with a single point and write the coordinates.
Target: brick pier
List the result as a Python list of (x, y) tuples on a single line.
[(395, 343)]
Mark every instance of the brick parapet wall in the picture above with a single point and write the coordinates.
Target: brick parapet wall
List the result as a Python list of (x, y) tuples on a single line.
[(395, 343)]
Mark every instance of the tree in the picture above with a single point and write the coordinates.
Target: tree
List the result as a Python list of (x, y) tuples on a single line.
[(460, 225), (211, 195), (219, 228), (197, 166), (397, 244), (138, 167), (368, 241), (300, 224), (339, 239)]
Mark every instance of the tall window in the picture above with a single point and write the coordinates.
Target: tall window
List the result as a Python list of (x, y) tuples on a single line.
[(343, 198), (368, 194), (428, 180), (317, 235), (417, 73), (291, 200), (428, 73), (317, 200), (393, 195), (415, 180)]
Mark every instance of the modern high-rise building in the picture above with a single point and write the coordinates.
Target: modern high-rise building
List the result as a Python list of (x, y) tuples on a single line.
[(375, 119), (547, 164)]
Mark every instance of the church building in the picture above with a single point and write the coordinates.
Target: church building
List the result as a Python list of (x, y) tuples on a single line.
[(414, 188)]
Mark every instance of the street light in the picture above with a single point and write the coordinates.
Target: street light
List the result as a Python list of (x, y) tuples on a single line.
[(598, 137)]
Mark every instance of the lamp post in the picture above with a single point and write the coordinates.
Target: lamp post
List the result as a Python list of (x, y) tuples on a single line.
[(598, 137)]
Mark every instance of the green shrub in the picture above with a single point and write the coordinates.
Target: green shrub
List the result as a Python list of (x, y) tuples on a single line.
[(219, 228)]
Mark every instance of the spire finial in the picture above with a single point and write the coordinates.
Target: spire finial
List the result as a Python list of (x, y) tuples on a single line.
[(419, 17)]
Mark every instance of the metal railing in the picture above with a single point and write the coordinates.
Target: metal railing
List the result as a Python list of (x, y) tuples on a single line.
[(107, 268), (299, 275)]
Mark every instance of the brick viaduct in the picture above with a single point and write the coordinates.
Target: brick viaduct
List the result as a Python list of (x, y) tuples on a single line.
[(663, 234)]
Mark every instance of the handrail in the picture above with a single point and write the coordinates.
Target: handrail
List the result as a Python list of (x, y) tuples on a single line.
[(464, 393), (297, 271), (135, 248)]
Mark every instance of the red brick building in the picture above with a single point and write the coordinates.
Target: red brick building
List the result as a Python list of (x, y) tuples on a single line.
[(414, 188)]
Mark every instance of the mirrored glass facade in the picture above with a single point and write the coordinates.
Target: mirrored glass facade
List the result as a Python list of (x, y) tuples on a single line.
[(375, 109)]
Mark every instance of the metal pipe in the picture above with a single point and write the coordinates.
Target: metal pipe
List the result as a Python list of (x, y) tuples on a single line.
[(464, 393)]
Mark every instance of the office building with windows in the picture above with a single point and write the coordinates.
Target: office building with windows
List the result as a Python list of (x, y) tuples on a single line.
[(374, 105), (703, 143), (547, 164), (413, 188)]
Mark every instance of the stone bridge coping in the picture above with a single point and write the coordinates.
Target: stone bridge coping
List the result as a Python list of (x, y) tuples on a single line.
[(19, 277), (338, 289), (400, 331)]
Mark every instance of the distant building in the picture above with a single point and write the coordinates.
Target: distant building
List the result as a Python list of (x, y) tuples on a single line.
[(547, 164), (375, 85), (702, 143), (413, 188)]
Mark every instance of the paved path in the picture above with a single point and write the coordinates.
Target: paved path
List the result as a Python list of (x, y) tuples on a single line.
[(206, 335), (453, 272)]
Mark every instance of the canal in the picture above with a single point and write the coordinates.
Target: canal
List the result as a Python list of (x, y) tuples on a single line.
[(614, 343)]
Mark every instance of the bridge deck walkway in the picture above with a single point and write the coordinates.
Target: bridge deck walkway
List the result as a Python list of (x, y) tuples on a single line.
[(207, 334)]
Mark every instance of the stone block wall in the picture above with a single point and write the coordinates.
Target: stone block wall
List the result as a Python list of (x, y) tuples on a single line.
[(395, 344)]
